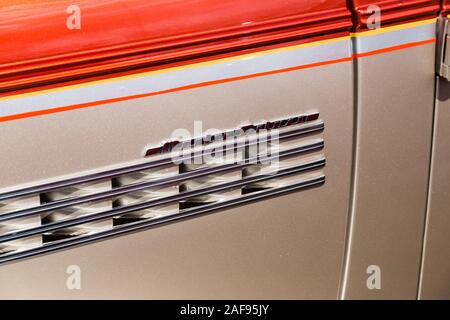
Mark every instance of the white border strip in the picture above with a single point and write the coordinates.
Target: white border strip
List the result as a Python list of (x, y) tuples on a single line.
[(160, 81), (372, 42)]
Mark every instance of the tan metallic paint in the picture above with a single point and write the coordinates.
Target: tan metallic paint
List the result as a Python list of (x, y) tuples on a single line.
[(395, 111), (290, 247), (435, 278)]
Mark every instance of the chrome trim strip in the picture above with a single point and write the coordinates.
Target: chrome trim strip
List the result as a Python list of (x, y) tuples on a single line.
[(54, 205), (316, 127), (161, 201), (143, 225)]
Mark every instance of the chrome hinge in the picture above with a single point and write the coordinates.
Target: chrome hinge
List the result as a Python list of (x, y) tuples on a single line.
[(443, 47)]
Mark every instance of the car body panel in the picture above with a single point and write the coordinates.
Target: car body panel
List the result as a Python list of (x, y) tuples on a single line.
[(435, 263), (256, 250), (90, 100)]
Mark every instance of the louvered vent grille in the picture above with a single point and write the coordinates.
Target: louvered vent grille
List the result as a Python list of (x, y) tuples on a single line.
[(131, 198)]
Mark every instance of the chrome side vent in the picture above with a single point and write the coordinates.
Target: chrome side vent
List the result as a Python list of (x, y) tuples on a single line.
[(80, 210)]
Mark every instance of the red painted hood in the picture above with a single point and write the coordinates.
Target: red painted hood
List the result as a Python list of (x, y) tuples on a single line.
[(118, 34)]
